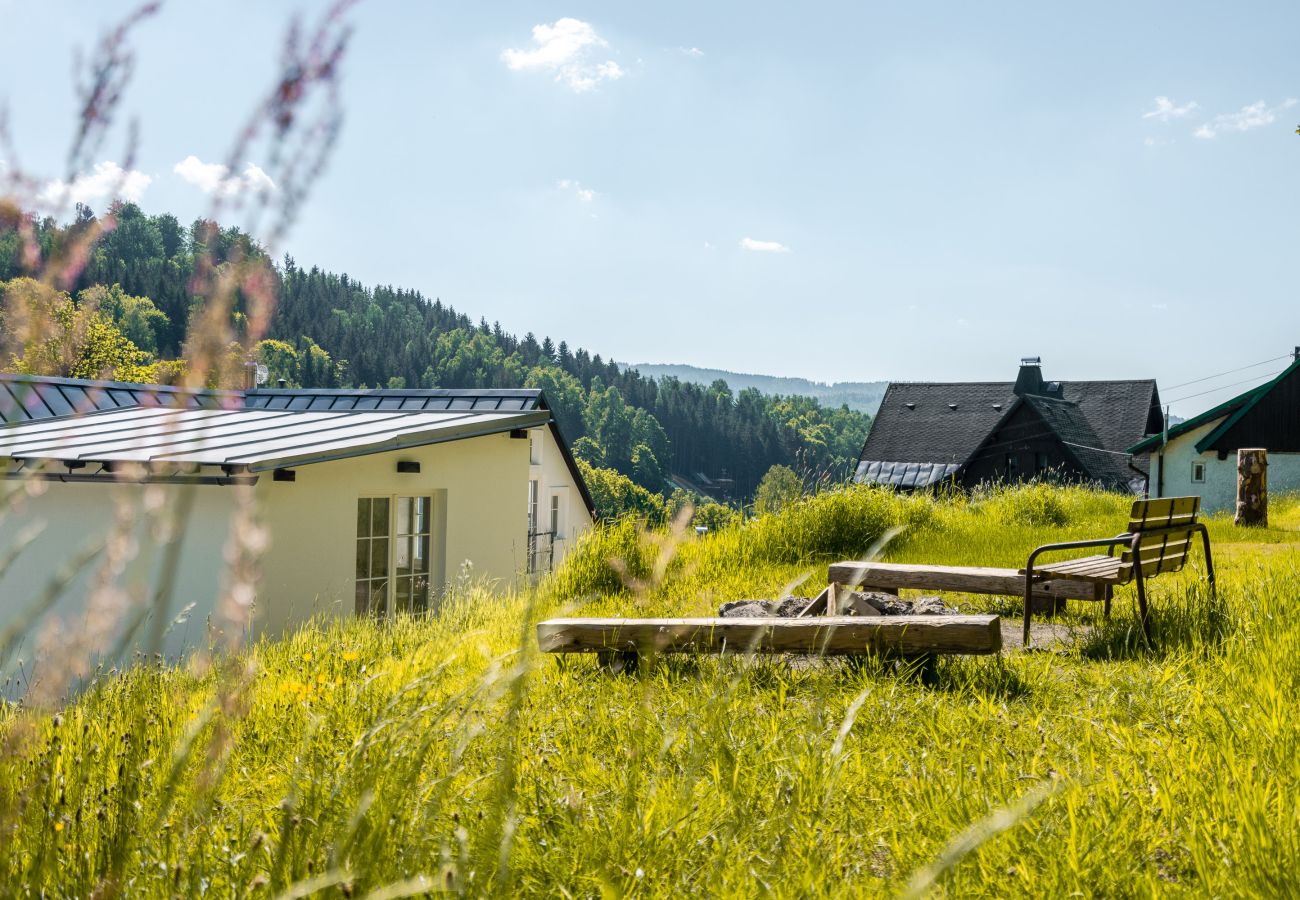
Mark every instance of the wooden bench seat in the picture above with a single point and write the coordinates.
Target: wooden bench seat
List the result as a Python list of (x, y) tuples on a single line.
[(893, 577), (818, 635), (1094, 569)]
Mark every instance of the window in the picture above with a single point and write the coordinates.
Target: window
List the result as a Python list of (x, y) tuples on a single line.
[(393, 538), (532, 506), (1198, 473), (535, 448), (555, 515), (411, 554), (372, 556)]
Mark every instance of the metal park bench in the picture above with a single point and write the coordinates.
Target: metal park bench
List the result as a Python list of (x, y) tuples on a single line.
[(1158, 540), (1160, 532)]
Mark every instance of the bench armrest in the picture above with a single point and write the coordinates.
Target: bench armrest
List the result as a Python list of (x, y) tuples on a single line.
[(1109, 543)]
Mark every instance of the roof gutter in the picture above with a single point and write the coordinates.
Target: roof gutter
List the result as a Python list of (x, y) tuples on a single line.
[(105, 477)]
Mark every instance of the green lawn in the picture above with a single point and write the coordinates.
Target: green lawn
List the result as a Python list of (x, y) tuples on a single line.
[(355, 758)]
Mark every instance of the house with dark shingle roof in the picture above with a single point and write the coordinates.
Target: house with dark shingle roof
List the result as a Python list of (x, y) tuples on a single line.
[(967, 433), (1199, 456)]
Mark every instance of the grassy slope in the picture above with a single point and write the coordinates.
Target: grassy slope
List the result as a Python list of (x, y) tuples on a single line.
[(365, 756)]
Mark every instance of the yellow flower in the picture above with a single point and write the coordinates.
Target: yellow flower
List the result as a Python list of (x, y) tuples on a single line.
[(308, 656), (338, 681), (351, 655), (58, 826), (320, 679)]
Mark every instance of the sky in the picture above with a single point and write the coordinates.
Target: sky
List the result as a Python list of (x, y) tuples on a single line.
[(843, 191)]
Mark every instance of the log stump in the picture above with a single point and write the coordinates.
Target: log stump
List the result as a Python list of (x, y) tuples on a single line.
[(1252, 487)]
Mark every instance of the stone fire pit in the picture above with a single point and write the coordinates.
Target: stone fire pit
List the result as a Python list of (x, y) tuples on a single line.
[(851, 603)]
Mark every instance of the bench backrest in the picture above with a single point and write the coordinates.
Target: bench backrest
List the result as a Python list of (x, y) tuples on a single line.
[(1166, 550)]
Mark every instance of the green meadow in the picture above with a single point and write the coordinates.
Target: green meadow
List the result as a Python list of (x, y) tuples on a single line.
[(444, 753)]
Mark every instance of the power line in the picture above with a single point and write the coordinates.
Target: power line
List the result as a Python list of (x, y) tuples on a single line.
[(1225, 387), (1229, 372)]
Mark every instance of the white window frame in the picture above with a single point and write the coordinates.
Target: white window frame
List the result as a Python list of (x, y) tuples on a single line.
[(1198, 466), (535, 447), (391, 576)]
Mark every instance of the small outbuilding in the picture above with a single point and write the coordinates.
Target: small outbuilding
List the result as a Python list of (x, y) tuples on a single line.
[(968, 433), (1199, 456), (282, 503)]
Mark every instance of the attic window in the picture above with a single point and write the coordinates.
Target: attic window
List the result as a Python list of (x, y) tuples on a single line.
[(910, 405), (997, 406), (952, 405)]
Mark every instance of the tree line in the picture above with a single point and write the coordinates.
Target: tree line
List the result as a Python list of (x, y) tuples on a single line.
[(329, 330)]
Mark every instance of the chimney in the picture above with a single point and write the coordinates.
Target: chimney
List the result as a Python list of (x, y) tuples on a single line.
[(1030, 379)]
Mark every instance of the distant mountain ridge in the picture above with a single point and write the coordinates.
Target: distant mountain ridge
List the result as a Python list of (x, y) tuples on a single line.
[(863, 396)]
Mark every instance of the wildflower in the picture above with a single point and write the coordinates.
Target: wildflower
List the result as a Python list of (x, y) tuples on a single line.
[(320, 679), (351, 656), (308, 656), (58, 826)]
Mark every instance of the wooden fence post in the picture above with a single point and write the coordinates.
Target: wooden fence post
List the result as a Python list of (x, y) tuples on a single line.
[(1252, 487)]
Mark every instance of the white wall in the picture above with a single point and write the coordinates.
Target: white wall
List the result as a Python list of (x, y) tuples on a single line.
[(67, 518), (1219, 491), (554, 479), (480, 491)]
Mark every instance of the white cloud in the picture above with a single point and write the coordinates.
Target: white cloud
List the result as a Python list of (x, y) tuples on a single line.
[(215, 178), (1167, 109), (565, 48), (586, 195), (695, 52), (749, 243), (108, 181), (1256, 115)]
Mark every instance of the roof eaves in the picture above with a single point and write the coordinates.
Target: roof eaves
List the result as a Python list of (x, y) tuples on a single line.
[(1227, 407), (1208, 442), (475, 427)]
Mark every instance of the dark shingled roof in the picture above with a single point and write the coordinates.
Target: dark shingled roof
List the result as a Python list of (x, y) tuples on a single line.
[(943, 424), (935, 422), (1069, 423)]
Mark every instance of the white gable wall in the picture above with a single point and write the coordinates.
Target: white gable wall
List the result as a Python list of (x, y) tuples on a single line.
[(1218, 493), (554, 479)]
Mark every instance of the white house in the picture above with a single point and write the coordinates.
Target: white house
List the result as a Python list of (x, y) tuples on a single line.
[(351, 502), (1199, 457)]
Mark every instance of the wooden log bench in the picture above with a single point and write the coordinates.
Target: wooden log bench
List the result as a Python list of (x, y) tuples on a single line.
[(1049, 596), (618, 642)]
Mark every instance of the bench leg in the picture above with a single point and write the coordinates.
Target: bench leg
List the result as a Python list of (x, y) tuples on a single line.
[(1142, 604), (1110, 592), (1029, 601)]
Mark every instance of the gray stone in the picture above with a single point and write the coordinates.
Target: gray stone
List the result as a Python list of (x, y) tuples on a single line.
[(786, 608), (931, 606), (744, 609), (885, 604), (790, 607)]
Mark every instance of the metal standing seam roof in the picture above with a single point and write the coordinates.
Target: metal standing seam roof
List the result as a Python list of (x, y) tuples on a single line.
[(904, 474), (24, 398), (251, 439)]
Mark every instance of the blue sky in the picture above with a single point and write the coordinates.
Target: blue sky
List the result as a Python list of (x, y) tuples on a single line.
[(841, 191)]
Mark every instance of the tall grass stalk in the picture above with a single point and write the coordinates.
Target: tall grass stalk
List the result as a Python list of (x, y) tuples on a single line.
[(441, 753)]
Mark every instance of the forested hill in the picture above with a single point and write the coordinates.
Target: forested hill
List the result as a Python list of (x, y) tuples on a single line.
[(329, 330), (864, 396)]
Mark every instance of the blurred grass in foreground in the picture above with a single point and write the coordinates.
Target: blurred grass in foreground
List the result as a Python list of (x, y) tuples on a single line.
[(443, 753)]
